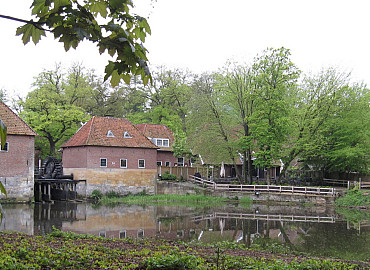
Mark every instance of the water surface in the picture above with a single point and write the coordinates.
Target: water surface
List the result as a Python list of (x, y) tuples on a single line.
[(318, 231)]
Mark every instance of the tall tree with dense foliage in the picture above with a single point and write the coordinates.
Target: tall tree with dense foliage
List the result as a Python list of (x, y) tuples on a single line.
[(239, 86), (51, 108), (212, 132), (276, 78), (108, 23), (317, 99)]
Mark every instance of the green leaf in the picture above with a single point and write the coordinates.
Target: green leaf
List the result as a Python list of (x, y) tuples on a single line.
[(61, 3), (28, 31), (39, 7), (126, 77), (2, 189), (115, 78), (99, 7)]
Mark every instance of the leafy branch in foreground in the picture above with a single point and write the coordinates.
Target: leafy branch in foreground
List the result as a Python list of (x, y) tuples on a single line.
[(108, 23)]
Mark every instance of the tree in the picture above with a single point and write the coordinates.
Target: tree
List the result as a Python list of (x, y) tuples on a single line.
[(276, 78), (51, 108), (211, 123), (317, 99), (108, 23), (239, 85), (345, 133)]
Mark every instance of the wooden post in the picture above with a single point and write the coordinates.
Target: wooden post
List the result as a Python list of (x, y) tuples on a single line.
[(359, 183)]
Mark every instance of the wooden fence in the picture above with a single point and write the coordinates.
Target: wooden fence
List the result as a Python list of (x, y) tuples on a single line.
[(347, 183), (263, 188), (272, 217)]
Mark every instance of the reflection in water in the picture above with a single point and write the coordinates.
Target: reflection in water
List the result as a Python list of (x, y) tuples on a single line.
[(316, 230)]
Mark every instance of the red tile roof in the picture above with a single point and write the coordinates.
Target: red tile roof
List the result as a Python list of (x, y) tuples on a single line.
[(95, 133), (14, 124), (157, 131)]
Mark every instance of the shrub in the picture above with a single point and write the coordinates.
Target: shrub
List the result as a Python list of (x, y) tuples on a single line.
[(112, 194), (172, 262), (96, 194), (168, 176)]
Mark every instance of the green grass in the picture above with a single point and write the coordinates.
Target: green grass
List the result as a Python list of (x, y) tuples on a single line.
[(174, 199)]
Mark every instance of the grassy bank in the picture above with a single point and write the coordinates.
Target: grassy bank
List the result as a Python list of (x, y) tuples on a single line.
[(163, 199), (354, 198), (61, 250)]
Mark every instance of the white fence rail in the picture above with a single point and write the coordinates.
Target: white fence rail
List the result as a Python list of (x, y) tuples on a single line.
[(322, 191), (272, 217)]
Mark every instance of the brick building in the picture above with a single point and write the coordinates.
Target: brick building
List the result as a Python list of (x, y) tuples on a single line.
[(111, 154), (163, 137), (17, 158)]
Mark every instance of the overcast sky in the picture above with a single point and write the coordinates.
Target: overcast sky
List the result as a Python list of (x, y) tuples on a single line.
[(202, 35)]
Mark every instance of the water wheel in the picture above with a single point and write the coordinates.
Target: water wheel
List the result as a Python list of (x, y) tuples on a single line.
[(51, 168)]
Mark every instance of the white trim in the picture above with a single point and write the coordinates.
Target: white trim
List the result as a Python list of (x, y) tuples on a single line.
[(160, 142), (138, 163), (106, 162), (167, 164), (160, 163), (110, 134), (6, 148), (126, 135), (120, 163)]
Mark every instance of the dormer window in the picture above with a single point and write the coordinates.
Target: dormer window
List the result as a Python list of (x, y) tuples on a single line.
[(126, 135), (110, 134), (161, 142)]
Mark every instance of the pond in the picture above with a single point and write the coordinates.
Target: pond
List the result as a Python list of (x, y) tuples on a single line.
[(318, 231)]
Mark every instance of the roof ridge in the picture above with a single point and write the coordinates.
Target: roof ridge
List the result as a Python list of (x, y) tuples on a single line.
[(91, 125)]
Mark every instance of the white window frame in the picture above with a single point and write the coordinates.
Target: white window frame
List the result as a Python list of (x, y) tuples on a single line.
[(126, 135), (6, 148), (167, 164), (106, 162), (161, 142), (120, 163), (123, 234), (138, 164), (160, 163), (110, 134)]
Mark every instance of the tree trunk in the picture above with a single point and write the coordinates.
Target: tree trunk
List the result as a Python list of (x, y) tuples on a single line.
[(250, 168), (268, 176)]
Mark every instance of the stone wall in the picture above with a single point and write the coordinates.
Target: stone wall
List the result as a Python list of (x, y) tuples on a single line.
[(123, 181)]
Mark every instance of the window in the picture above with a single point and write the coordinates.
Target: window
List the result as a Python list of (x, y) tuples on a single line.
[(141, 163), (159, 163), (6, 147), (102, 234), (103, 162), (110, 134), (140, 234), (168, 164), (123, 163), (126, 135), (122, 234), (180, 161), (161, 142)]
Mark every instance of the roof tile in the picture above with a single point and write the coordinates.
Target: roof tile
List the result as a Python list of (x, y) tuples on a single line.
[(95, 132), (14, 124)]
